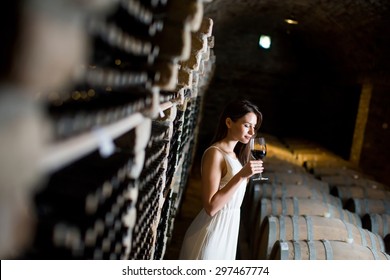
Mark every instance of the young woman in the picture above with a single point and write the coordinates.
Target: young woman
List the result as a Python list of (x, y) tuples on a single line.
[(226, 168)]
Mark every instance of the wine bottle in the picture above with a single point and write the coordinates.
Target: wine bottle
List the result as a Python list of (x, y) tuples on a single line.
[(102, 107)]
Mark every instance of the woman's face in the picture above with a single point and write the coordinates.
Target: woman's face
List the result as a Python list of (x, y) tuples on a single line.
[(243, 129)]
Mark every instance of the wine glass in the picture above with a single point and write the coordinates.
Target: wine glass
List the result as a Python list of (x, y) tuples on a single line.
[(259, 150)]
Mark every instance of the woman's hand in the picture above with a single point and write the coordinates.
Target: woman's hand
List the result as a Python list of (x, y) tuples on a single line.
[(251, 168)]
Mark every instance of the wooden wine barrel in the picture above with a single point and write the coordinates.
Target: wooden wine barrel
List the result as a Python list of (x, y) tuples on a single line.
[(366, 206), (295, 206), (273, 164), (326, 161), (275, 191), (311, 228), (377, 223), (295, 178), (347, 192), (323, 250), (319, 171), (315, 156), (341, 180)]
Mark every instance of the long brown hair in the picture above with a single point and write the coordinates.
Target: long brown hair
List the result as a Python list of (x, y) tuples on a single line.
[(235, 110)]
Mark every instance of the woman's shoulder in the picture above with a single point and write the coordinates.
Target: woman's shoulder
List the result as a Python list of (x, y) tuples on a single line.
[(219, 150), (214, 152), (212, 158), (214, 148)]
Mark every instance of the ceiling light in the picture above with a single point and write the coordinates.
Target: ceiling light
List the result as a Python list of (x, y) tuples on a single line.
[(291, 21), (265, 41)]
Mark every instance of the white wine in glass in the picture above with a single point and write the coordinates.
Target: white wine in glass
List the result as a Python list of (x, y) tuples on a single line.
[(259, 151)]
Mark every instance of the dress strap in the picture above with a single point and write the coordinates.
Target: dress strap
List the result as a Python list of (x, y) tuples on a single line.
[(222, 151), (218, 148)]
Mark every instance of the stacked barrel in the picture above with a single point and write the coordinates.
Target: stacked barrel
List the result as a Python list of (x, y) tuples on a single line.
[(313, 207), (124, 134)]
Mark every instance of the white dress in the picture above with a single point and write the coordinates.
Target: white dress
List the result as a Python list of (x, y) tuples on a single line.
[(215, 238)]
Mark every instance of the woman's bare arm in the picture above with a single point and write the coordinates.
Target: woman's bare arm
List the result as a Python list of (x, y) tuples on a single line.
[(213, 169)]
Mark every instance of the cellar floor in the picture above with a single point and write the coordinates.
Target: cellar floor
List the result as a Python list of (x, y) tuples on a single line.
[(191, 205)]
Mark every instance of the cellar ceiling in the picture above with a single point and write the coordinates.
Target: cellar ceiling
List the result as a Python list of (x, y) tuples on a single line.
[(345, 38)]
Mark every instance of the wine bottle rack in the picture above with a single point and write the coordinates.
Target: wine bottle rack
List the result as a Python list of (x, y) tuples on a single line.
[(123, 135)]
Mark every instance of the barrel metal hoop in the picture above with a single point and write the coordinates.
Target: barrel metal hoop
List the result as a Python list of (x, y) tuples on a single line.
[(374, 222), (349, 231), (282, 228), (373, 240), (284, 190), (328, 249), (385, 225), (273, 206), (350, 218), (295, 222), (357, 218), (374, 253), (297, 250), (330, 209), (296, 206), (272, 229), (309, 227), (357, 205), (363, 237), (284, 206), (341, 213), (312, 250), (366, 206), (284, 250)]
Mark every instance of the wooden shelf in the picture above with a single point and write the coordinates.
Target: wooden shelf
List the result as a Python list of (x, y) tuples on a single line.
[(60, 154)]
